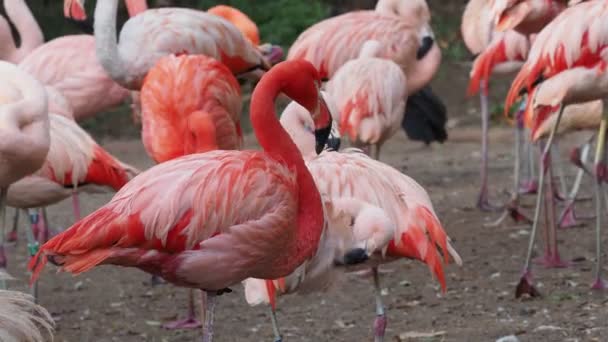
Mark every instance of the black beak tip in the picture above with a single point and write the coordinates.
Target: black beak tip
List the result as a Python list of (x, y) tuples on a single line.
[(321, 136), (355, 256), (334, 143), (425, 46)]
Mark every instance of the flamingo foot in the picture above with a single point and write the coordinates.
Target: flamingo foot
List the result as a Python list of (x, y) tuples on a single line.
[(525, 286), (568, 218), (379, 327), (552, 261), (11, 236), (529, 187), (187, 323), (516, 214), (599, 284), (484, 204)]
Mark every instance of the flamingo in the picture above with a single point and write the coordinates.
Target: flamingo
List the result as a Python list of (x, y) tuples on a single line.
[(23, 320), (406, 38), (375, 215), (210, 220), (30, 35), (191, 104), (150, 35), (370, 94), (567, 56), (501, 53), (24, 127)]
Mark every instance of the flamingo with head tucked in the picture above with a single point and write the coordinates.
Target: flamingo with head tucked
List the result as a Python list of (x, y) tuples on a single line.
[(24, 127), (190, 104), (375, 215), (210, 220), (22, 319), (30, 34)]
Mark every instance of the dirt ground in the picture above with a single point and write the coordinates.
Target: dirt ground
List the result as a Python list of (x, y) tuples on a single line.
[(115, 304)]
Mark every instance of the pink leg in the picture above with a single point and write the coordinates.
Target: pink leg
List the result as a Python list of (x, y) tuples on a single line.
[(380, 321), (12, 235), (190, 322), (483, 202), (43, 227), (76, 205)]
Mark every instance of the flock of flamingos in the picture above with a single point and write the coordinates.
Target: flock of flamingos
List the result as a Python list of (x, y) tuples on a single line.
[(211, 215)]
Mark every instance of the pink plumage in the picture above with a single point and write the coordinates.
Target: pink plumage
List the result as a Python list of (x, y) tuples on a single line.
[(30, 35), (69, 64)]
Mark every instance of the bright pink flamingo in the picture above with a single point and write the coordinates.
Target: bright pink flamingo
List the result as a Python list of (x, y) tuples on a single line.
[(210, 220), (151, 34), (30, 34), (190, 104), (22, 319), (370, 95), (375, 215), (403, 31), (24, 127), (569, 55)]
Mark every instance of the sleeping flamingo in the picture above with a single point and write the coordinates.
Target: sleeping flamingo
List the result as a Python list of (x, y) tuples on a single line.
[(150, 35), (403, 31), (375, 213), (30, 35), (22, 319), (370, 94), (568, 57), (190, 104), (24, 127), (210, 220)]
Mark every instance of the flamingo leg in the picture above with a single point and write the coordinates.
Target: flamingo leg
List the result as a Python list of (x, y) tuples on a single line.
[(209, 299), (380, 321), (525, 283), (76, 205), (275, 326), (530, 185), (12, 235), (32, 248), (483, 202), (43, 225), (3, 262), (556, 162), (600, 176), (190, 322), (568, 217)]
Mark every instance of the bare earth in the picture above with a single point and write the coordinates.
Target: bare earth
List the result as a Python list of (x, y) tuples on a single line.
[(115, 304)]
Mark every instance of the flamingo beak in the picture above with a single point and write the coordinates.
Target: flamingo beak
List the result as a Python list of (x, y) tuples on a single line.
[(273, 53), (509, 19), (323, 125), (333, 142), (74, 9)]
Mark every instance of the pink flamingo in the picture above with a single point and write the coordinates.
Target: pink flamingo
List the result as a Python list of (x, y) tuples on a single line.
[(525, 16), (24, 127), (224, 215), (151, 35), (22, 319), (375, 215), (406, 39), (370, 94), (568, 54), (191, 104), (30, 34)]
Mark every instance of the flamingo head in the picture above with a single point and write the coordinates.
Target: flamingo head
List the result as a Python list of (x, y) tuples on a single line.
[(510, 13), (272, 53), (304, 87), (74, 9)]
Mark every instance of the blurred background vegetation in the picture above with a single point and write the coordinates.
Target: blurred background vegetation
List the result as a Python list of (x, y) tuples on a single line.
[(280, 22)]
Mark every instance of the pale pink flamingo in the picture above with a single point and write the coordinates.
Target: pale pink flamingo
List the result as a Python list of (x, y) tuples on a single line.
[(406, 39), (501, 53), (30, 35), (568, 56), (21, 319), (375, 215), (370, 95), (24, 127), (151, 35), (210, 220), (190, 104)]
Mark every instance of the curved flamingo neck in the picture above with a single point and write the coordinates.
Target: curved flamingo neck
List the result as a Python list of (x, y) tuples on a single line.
[(106, 44), (29, 31), (276, 141)]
